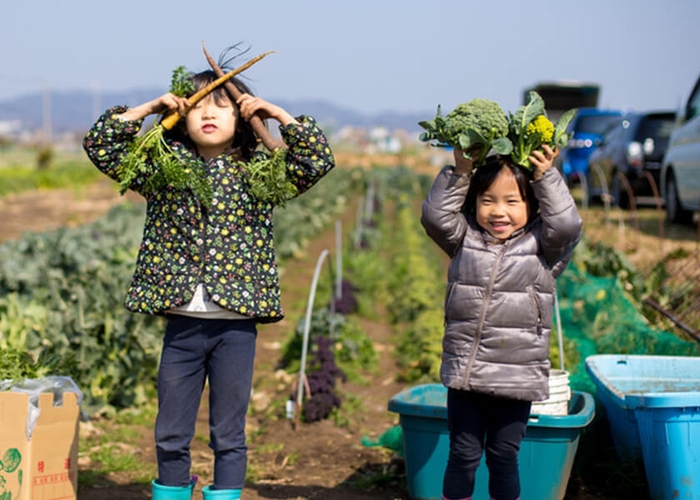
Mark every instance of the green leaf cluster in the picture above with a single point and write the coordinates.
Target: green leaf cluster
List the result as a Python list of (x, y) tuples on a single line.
[(268, 179), (181, 82), (172, 169)]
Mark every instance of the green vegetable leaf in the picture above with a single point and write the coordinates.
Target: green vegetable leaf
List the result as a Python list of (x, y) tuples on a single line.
[(560, 136), (525, 114), (181, 83), (268, 178), (150, 156), (502, 146)]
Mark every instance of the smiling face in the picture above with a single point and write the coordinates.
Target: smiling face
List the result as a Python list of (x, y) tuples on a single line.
[(211, 124), (501, 209)]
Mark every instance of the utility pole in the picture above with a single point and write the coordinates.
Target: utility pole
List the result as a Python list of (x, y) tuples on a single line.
[(46, 115)]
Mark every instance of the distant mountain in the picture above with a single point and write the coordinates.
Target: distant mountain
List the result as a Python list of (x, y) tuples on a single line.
[(75, 111)]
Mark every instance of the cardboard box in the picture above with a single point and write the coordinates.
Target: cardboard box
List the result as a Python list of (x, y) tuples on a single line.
[(45, 466)]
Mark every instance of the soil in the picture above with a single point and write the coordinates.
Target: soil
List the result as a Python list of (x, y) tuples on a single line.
[(322, 460)]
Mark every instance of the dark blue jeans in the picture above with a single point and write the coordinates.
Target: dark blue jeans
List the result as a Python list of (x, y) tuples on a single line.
[(477, 419), (194, 350)]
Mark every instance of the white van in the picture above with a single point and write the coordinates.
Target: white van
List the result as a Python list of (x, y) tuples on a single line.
[(680, 169)]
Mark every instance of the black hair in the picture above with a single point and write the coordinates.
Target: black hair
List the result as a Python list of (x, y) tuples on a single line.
[(485, 175), (244, 141)]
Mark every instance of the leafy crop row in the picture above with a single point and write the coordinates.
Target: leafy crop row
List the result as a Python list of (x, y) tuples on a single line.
[(61, 298)]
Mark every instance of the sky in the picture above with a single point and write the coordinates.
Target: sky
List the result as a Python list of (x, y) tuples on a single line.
[(367, 55)]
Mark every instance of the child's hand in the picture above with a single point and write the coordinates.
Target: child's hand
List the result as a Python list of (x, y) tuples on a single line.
[(170, 102), (165, 103), (543, 160), (464, 165), (250, 105)]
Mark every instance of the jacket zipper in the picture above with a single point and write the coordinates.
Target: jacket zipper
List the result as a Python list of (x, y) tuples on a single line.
[(487, 298)]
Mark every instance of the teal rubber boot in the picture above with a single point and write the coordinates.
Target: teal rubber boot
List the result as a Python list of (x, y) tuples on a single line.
[(162, 492), (210, 494)]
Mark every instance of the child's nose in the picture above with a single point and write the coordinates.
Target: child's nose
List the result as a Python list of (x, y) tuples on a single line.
[(499, 208)]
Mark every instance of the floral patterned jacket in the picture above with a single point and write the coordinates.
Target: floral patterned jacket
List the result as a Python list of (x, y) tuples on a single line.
[(228, 247)]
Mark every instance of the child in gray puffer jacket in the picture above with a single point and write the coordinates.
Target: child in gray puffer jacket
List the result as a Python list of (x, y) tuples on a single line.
[(509, 232)]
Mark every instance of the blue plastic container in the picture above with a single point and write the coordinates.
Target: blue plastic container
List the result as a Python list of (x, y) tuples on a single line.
[(652, 405), (546, 455)]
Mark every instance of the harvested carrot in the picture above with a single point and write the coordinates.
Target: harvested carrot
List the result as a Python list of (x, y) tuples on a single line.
[(172, 170), (169, 121), (267, 175), (255, 122)]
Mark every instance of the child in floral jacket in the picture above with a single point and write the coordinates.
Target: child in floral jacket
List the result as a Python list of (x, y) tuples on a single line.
[(208, 266)]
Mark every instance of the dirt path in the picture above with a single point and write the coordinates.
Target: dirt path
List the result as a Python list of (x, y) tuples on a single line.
[(50, 209)]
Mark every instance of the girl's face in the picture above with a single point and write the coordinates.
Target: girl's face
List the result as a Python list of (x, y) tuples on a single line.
[(501, 209), (211, 124)]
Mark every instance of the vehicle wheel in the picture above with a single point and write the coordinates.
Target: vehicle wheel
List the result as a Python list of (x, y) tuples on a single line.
[(674, 210), (618, 193)]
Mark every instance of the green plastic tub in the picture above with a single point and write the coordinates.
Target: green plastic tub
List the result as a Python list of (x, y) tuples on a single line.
[(546, 455)]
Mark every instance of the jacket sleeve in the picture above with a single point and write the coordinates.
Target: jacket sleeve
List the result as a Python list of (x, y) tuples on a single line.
[(441, 215), (109, 139), (562, 227), (309, 156)]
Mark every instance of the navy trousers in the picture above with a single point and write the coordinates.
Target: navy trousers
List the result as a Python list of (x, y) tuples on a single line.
[(479, 422), (194, 351)]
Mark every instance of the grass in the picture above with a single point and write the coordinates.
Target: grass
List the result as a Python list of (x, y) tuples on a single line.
[(65, 169), (114, 447)]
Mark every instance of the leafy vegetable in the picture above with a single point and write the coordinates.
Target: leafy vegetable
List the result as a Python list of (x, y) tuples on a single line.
[(173, 170), (530, 128), (478, 125), (321, 378), (481, 126), (181, 82), (268, 178)]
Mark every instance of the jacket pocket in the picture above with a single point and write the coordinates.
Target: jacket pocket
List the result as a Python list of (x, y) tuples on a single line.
[(538, 308)]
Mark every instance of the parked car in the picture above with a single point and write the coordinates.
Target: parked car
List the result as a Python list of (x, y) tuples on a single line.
[(588, 126), (634, 146), (680, 169)]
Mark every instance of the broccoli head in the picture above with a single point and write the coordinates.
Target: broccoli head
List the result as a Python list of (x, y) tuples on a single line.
[(478, 125)]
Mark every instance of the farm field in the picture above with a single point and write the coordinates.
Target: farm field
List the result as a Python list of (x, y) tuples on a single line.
[(325, 459)]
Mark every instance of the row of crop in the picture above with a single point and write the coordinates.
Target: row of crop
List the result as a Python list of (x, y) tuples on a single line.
[(338, 347), (403, 270), (62, 291), (600, 294)]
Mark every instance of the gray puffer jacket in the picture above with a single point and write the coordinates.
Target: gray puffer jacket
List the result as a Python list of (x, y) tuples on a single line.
[(500, 297)]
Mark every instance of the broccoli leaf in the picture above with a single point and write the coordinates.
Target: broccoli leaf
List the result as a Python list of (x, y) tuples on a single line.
[(560, 136), (525, 114), (502, 146)]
